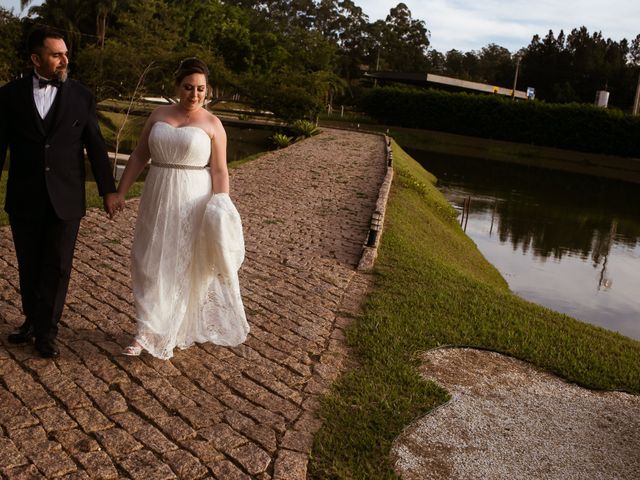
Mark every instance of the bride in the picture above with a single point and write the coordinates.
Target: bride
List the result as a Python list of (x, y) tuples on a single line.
[(188, 243)]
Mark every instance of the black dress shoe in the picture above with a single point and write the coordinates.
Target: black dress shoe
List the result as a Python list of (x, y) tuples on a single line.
[(47, 348), (23, 334)]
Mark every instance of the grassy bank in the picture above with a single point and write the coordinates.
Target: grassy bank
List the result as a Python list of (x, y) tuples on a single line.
[(93, 199), (110, 123), (597, 165), (433, 288)]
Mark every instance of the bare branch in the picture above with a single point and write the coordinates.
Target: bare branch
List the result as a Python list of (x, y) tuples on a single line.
[(126, 116)]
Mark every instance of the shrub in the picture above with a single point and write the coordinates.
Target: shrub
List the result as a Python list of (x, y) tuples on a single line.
[(281, 140), (304, 128), (572, 126)]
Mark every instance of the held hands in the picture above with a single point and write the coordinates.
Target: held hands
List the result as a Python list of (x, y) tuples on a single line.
[(113, 203)]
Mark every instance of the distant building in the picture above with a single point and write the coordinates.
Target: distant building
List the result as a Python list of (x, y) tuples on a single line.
[(430, 79)]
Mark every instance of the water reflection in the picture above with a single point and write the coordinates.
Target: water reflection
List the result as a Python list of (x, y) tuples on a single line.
[(566, 241), (242, 142)]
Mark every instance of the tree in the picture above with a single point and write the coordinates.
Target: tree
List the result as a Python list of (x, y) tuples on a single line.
[(437, 62), (400, 42), (634, 50), (546, 65), (587, 52), (223, 29), (102, 10), (284, 13), (293, 94), (496, 66), (453, 64), (71, 17), (130, 48), (11, 33), (345, 24), (573, 68)]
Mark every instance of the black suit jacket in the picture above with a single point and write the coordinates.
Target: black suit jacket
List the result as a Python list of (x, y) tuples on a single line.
[(51, 163)]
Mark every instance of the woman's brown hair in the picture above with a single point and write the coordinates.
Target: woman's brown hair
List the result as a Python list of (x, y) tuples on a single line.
[(189, 66)]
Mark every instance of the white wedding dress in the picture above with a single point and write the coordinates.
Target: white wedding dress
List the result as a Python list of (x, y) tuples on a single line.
[(187, 249)]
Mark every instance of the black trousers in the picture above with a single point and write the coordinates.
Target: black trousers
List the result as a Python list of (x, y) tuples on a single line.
[(44, 247)]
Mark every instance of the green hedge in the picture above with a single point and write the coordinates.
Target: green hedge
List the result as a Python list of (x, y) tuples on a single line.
[(572, 126)]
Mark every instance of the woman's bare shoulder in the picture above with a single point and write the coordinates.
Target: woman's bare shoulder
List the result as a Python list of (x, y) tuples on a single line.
[(210, 124), (161, 113), (214, 122)]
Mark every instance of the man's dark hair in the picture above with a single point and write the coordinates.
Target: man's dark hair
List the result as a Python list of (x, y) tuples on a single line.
[(37, 38)]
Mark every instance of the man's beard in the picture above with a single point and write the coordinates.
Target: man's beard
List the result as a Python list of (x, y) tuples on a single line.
[(62, 74)]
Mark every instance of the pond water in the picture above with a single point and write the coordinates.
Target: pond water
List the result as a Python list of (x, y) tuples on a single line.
[(242, 142), (566, 241)]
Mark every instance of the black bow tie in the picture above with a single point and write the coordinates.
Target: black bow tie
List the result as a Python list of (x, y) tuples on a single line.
[(54, 83)]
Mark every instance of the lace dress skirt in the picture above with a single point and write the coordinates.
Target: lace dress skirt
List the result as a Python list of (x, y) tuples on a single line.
[(181, 296)]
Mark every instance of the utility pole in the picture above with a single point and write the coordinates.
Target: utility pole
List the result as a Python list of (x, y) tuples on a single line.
[(375, 80), (515, 79), (636, 102)]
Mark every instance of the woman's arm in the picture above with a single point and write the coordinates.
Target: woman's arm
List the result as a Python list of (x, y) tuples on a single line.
[(218, 160), (138, 158)]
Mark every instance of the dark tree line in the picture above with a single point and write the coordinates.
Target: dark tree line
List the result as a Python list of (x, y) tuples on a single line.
[(294, 56), (562, 69), (570, 68)]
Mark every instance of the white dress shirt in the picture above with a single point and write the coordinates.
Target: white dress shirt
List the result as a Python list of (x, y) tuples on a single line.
[(43, 97)]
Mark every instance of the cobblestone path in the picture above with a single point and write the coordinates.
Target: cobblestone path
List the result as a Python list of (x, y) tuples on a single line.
[(210, 412)]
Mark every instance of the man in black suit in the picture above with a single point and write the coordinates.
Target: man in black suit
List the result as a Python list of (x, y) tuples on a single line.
[(46, 122)]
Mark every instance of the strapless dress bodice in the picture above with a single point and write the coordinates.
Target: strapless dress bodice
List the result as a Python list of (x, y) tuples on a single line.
[(187, 145)]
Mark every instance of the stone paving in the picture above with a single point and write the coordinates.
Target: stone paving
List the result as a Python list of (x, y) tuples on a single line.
[(209, 412)]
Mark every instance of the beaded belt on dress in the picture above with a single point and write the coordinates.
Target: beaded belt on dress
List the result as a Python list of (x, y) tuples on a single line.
[(178, 165)]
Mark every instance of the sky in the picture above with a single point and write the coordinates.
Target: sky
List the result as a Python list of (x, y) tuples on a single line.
[(471, 24)]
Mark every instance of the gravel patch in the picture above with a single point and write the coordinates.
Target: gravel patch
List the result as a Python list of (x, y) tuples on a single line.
[(509, 420)]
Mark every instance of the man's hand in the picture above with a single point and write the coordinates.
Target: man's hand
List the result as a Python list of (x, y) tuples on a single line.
[(113, 203)]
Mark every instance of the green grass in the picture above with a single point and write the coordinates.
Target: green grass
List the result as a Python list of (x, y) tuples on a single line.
[(237, 163), (110, 123), (434, 288), (93, 199), (606, 166), (4, 218)]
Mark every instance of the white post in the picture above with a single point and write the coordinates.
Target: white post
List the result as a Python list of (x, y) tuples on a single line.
[(375, 80), (636, 102)]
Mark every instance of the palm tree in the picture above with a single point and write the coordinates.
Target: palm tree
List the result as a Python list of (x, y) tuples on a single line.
[(70, 15), (65, 15), (103, 8)]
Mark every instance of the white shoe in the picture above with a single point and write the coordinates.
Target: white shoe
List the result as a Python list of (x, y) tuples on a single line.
[(133, 350)]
